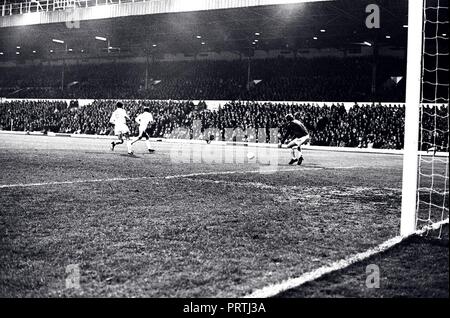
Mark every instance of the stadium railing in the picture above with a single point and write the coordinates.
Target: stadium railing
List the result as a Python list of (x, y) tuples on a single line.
[(29, 6)]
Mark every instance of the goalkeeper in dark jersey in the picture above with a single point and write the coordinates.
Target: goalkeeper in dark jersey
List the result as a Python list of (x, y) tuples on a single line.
[(298, 134)]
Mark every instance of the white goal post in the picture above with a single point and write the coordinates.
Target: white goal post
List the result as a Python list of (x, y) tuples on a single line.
[(425, 182), (412, 106)]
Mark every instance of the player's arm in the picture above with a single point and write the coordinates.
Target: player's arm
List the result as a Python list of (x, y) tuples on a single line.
[(138, 119), (305, 129), (112, 119), (284, 133)]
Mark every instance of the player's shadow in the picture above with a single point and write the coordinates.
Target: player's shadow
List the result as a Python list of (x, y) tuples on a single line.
[(130, 156), (96, 152)]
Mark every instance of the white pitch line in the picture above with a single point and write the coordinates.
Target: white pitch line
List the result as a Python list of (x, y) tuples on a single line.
[(178, 176), (273, 290), (24, 185), (40, 184), (262, 171)]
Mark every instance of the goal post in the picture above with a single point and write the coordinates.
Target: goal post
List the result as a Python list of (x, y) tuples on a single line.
[(425, 180), (412, 106)]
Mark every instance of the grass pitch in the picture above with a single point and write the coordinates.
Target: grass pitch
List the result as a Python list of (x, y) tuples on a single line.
[(416, 268), (151, 226)]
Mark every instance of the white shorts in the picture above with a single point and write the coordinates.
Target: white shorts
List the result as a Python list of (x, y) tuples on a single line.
[(121, 129), (299, 141)]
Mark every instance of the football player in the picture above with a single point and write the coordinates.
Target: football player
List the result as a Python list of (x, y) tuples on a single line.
[(144, 120), (299, 135), (119, 119)]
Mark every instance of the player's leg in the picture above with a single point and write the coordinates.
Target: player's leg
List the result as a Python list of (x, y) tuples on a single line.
[(293, 145), (136, 140), (301, 141), (129, 144), (139, 137), (147, 142), (144, 134), (149, 147), (115, 143)]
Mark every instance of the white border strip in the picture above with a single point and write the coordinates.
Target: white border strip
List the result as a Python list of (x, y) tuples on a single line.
[(276, 289)]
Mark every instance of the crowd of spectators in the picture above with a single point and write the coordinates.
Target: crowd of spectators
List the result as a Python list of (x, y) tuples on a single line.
[(58, 116), (276, 79), (32, 115), (94, 118), (361, 125), (434, 132)]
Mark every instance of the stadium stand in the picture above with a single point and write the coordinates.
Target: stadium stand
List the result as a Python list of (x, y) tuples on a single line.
[(281, 79), (363, 125), (191, 219)]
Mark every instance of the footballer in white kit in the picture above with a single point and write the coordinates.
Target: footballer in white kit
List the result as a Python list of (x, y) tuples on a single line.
[(119, 119), (144, 120)]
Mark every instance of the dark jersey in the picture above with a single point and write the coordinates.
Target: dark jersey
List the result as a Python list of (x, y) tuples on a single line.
[(294, 129)]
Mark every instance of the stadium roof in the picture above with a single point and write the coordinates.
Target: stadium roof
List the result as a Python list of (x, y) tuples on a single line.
[(331, 24)]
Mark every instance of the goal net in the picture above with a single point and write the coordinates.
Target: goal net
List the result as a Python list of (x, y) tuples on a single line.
[(425, 201)]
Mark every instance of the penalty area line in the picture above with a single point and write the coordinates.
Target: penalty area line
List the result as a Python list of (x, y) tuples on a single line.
[(275, 289)]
